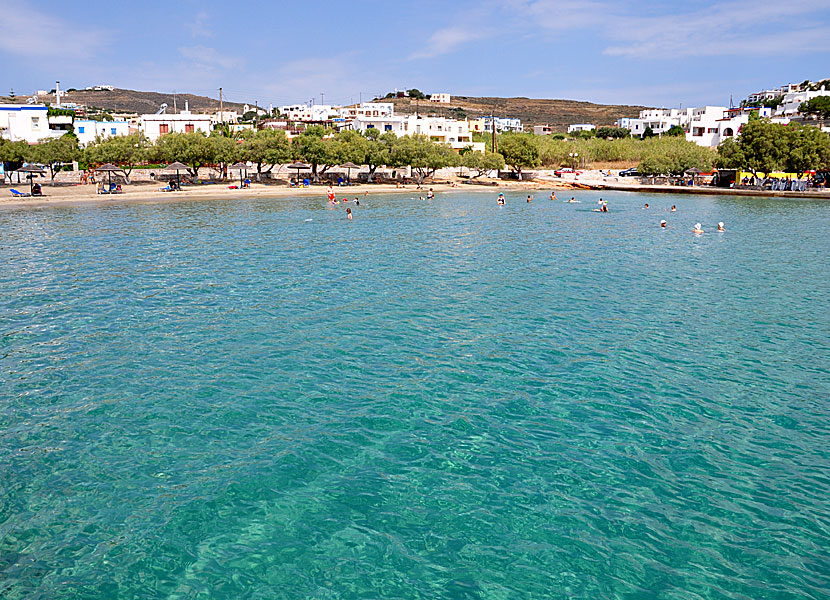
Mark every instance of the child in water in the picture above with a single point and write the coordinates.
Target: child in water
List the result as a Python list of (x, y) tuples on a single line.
[(349, 214), (501, 198)]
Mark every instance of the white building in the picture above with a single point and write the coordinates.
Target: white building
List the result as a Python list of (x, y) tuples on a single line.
[(543, 130), (26, 122), (793, 100), (442, 130), (225, 116), (660, 120), (308, 113), (578, 127), (485, 125), (705, 124), (440, 98), (155, 126), (367, 109), (88, 130)]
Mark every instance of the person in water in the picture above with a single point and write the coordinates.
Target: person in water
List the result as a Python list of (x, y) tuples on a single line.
[(673, 208), (553, 195), (430, 195), (349, 214), (604, 208), (501, 198), (721, 227), (663, 224), (646, 206), (529, 198), (698, 228), (356, 201), (572, 200)]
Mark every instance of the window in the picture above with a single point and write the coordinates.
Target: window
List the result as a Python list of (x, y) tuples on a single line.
[(728, 132), (81, 129), (164, 128), (387, 128), (35, 122), (112, 131), (370, 127), (188, 128)]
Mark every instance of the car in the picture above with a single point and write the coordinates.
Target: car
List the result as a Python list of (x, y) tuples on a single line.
[(632, 172), (566, 171)]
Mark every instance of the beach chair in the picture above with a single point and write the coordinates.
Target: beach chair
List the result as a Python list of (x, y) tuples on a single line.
[(17, 194), (306, 183)]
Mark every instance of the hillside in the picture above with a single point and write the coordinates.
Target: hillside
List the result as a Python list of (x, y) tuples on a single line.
[(134, 101), (532, 111)]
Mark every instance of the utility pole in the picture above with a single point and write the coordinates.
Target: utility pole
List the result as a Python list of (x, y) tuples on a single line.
[(175, 110), (221, 108), (322, 98), (493, 127)]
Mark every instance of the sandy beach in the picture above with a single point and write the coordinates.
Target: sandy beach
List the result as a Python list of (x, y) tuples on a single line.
[(74, 195)]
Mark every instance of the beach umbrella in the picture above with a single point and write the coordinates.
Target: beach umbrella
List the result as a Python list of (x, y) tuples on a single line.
[(31, 171), (177, 166), (693, 171), (299, 166), (109, 169), (349, 166), (241, 166)]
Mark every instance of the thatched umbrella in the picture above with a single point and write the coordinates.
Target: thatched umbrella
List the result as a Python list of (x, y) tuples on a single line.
[(349, 166), (299, 166), (177, 166), (31, 171), (241, 166), (109, 169)]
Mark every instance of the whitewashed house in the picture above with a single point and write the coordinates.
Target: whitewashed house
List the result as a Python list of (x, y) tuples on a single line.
[(442, 130), (579, 127), (155, 126), (87, 130), (442, 98), (26, 122)]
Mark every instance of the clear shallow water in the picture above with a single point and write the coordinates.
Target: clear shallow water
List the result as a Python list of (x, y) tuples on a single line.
[(436, 400)]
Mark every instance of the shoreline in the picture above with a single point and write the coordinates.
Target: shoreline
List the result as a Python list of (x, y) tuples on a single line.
[(75, 195)]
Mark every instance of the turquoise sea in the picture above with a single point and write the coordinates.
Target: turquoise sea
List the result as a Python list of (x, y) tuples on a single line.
[(256, 398)]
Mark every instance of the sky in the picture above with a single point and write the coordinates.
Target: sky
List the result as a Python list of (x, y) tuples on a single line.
[(652, 53)]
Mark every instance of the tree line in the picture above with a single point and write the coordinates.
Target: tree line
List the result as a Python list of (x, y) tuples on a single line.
[(321, 148)]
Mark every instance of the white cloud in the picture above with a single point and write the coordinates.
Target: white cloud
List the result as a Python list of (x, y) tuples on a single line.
[(200, 26), (30, 32), (210, 57), (446, 40)]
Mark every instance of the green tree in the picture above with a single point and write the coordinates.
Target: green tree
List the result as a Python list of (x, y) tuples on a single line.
[(675, 131), (265, 147), (520, 151), (819, 106), (416, 94), (482, 162), (193, 149), (764, 145), (730, 155), (649, 132), (674, 156), (311, 147), (54, 152), (13, 152), (612, 132), (224, 150), (126, 151), (424, 156), (808, 149)]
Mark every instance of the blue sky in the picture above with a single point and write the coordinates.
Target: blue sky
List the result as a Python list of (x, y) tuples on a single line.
[(656, 53)]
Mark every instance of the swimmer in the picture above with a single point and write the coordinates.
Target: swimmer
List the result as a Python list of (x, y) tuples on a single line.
[(721, 227), (646, 206), (604, 208), (366, 193), (430, 195), (673, 208), (501, 198), (349, 214), (356, 201), (529, 198), (572, 200), (663, 224), (698, 228), (553, 196)]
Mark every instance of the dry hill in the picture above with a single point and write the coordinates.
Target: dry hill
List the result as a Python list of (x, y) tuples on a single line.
[(119, 100), (532, 111)]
